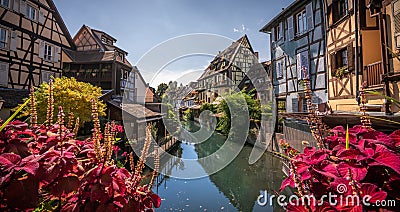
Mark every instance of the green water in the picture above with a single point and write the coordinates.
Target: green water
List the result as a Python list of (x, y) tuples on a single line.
[(234, 188)]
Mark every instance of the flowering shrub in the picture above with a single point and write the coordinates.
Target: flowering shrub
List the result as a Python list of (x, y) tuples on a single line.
[(46, 168)]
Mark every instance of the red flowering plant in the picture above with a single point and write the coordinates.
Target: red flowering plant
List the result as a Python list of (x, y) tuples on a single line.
[(360, 163), (44, 167)]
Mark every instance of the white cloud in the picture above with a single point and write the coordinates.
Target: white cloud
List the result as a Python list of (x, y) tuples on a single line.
[(241, 29), (183, 77)]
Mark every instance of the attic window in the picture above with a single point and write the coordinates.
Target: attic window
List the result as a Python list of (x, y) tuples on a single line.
[(120, 56), (104, 39)]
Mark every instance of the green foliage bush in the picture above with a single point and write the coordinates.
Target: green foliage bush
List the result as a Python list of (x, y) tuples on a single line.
[(72, 95)]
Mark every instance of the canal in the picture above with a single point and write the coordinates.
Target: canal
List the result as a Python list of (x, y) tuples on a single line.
[(234, 188)]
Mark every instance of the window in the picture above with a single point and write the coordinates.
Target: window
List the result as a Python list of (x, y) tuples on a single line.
[(302, 65), (278, 32), (342, 58), (279, 69), (46, 76), (120, 56), (48, 52), (338, 10), (301, 25), (3, 38), (103, 39), (343, 7), (5, 3), (30, 12), (4, 74), (342, 61)]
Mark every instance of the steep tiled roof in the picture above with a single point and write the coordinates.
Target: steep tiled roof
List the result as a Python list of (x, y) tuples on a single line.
[(228, 55), (93, 56), (136, 110)]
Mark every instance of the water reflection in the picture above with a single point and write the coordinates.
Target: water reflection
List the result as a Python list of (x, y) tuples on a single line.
[(234, 188)]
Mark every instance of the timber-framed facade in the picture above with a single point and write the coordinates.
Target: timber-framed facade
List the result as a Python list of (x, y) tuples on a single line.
[(354, 54), (297, 40), (227, 70), (33, 38), (97, 60)]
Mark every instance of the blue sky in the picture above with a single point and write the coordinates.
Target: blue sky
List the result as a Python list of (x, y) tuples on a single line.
[(139, 25)]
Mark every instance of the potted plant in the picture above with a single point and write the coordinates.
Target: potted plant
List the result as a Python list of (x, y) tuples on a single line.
[(339, 72)]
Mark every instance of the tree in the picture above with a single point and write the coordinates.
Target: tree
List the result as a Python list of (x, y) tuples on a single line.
[(161, 88), (72, 95), (235, 100)]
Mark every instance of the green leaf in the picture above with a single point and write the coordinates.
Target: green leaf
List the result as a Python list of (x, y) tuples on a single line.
[(14, 114)]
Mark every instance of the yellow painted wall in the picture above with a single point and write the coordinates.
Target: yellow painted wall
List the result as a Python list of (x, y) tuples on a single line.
[(371, 46)]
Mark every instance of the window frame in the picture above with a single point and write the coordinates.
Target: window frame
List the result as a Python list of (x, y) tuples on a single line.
[(303, 24), (6, 41), (278, 32), (279, 69), (48, 57), (341, 56), (2, 3), (338, 12), (29, 9)]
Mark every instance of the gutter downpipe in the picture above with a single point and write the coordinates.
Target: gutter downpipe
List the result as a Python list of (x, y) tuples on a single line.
[(325, 12), (358, 38)]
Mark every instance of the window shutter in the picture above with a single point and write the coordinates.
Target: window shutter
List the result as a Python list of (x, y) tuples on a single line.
[(290, 28), (333, 63), (295, 104), (278, 67), (273, 34), (22, 7), (46, 76), (41, 17), (16, 5), (41, 49), (351, 57), (280, 30), (396, 21), (13, 40), (310, 16), (4, 74), (330, 16), (56, 54), (298, 65)]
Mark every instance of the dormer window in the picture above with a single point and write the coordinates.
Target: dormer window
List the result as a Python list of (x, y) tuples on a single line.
[(120, 56)]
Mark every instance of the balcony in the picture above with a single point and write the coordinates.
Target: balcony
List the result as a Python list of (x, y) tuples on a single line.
[(372, 74)]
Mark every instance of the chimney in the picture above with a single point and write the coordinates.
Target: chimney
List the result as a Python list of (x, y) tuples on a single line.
[(256, 54)]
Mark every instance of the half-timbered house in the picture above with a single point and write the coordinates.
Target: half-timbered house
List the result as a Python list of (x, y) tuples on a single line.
[(99, 61), (32, 39), (355, 52), (298, 49), (227, 70), (388, 13)]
